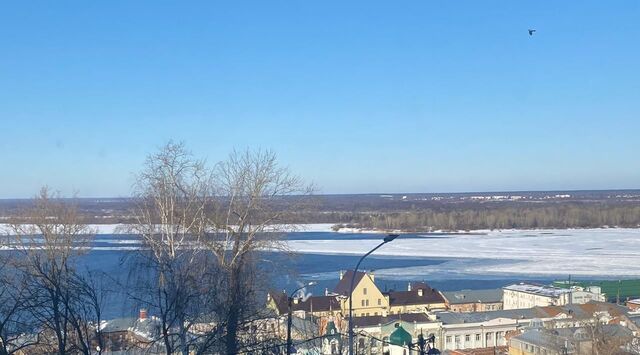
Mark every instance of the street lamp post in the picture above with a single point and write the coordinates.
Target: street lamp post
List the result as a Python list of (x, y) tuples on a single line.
[(289, 321), (386, 240)]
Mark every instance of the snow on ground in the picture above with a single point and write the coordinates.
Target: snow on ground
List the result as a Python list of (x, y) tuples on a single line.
[(579, 252)]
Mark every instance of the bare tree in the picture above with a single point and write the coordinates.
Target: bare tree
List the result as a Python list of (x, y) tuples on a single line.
[(255, 200), (49, 237), (202, 230), (605, 339), (173, 194), (15, 321)]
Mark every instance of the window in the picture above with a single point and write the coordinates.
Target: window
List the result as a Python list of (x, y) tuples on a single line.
[(362, 303), (364, 291), (457, 340), (489, 336), (477, 337), (467, 338), (379, 302), (367, 303), (448, 339)]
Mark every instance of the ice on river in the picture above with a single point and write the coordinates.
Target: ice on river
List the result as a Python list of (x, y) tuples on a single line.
[(580, 252)]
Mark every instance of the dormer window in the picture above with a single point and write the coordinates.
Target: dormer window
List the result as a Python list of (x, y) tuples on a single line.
[(420, 292)]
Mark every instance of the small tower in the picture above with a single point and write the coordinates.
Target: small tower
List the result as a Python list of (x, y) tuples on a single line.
[(400, 342), (331, 342)]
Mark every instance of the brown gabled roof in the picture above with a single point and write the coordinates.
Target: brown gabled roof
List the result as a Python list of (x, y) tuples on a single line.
[(311, 304), (280, 300), (344, 284), (593, 307), (407, 298), (581, 311)]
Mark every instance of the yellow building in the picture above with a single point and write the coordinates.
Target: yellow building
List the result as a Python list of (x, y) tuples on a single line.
[(367, 298)]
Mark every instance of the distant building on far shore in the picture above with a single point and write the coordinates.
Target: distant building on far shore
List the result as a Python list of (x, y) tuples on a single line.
[(528, 295)]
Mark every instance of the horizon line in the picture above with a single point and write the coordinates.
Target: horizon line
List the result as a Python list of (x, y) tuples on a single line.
[(375, 193)]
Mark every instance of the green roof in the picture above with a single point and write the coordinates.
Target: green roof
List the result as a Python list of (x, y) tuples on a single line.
[(332, 331), (612, 288), (400, 337)]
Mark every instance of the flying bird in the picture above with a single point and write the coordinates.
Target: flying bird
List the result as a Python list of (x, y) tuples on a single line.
[(531, 32)]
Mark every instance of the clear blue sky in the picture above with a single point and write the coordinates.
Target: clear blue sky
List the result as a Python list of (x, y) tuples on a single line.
[(356, 96)]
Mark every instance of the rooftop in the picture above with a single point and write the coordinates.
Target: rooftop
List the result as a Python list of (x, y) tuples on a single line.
[(577, 311), (420, 293), (343, 286), (369, 321), (541, 290), (311, 304), (472, 296), (448, 317)]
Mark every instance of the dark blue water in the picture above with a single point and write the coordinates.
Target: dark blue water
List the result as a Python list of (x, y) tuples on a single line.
[(111, 251)]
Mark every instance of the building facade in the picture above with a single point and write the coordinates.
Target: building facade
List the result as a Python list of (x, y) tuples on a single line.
[(528, 295), (473, 300)]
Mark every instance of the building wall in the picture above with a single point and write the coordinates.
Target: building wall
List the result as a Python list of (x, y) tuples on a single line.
[(416, 308), (367, 299), (517, 348), (518, 300), (475, 307), (474, 336)]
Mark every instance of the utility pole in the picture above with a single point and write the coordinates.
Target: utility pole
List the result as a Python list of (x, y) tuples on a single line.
[(386, 240), (290, 318), (421, 344), (290, 300)]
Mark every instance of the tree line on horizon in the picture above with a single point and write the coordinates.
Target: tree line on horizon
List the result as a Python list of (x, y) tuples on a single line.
[(504, 217)]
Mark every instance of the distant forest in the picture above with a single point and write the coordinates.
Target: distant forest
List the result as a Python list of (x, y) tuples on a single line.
[(501, 217), (423, 212)]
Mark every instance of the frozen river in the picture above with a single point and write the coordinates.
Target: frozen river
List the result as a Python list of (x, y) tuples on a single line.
[(483, 259)]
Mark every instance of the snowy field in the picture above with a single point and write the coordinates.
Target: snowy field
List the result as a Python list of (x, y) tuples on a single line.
[(585, 252)]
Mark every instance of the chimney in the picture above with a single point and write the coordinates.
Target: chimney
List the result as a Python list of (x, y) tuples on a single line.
[(142, 315), (420, 292), (409, 287), (326, 292)]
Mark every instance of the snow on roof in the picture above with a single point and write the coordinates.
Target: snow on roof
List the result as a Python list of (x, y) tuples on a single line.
[(541, 290)]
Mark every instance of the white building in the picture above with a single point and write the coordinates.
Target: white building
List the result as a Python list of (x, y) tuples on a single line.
[(526, 295)]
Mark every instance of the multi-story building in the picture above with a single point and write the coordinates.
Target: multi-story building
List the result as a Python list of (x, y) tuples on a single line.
[(473, 300), (319, 306), (528, 295), (575, 340), (374, 332), (419, 297), (483, 330), (368, 300)]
